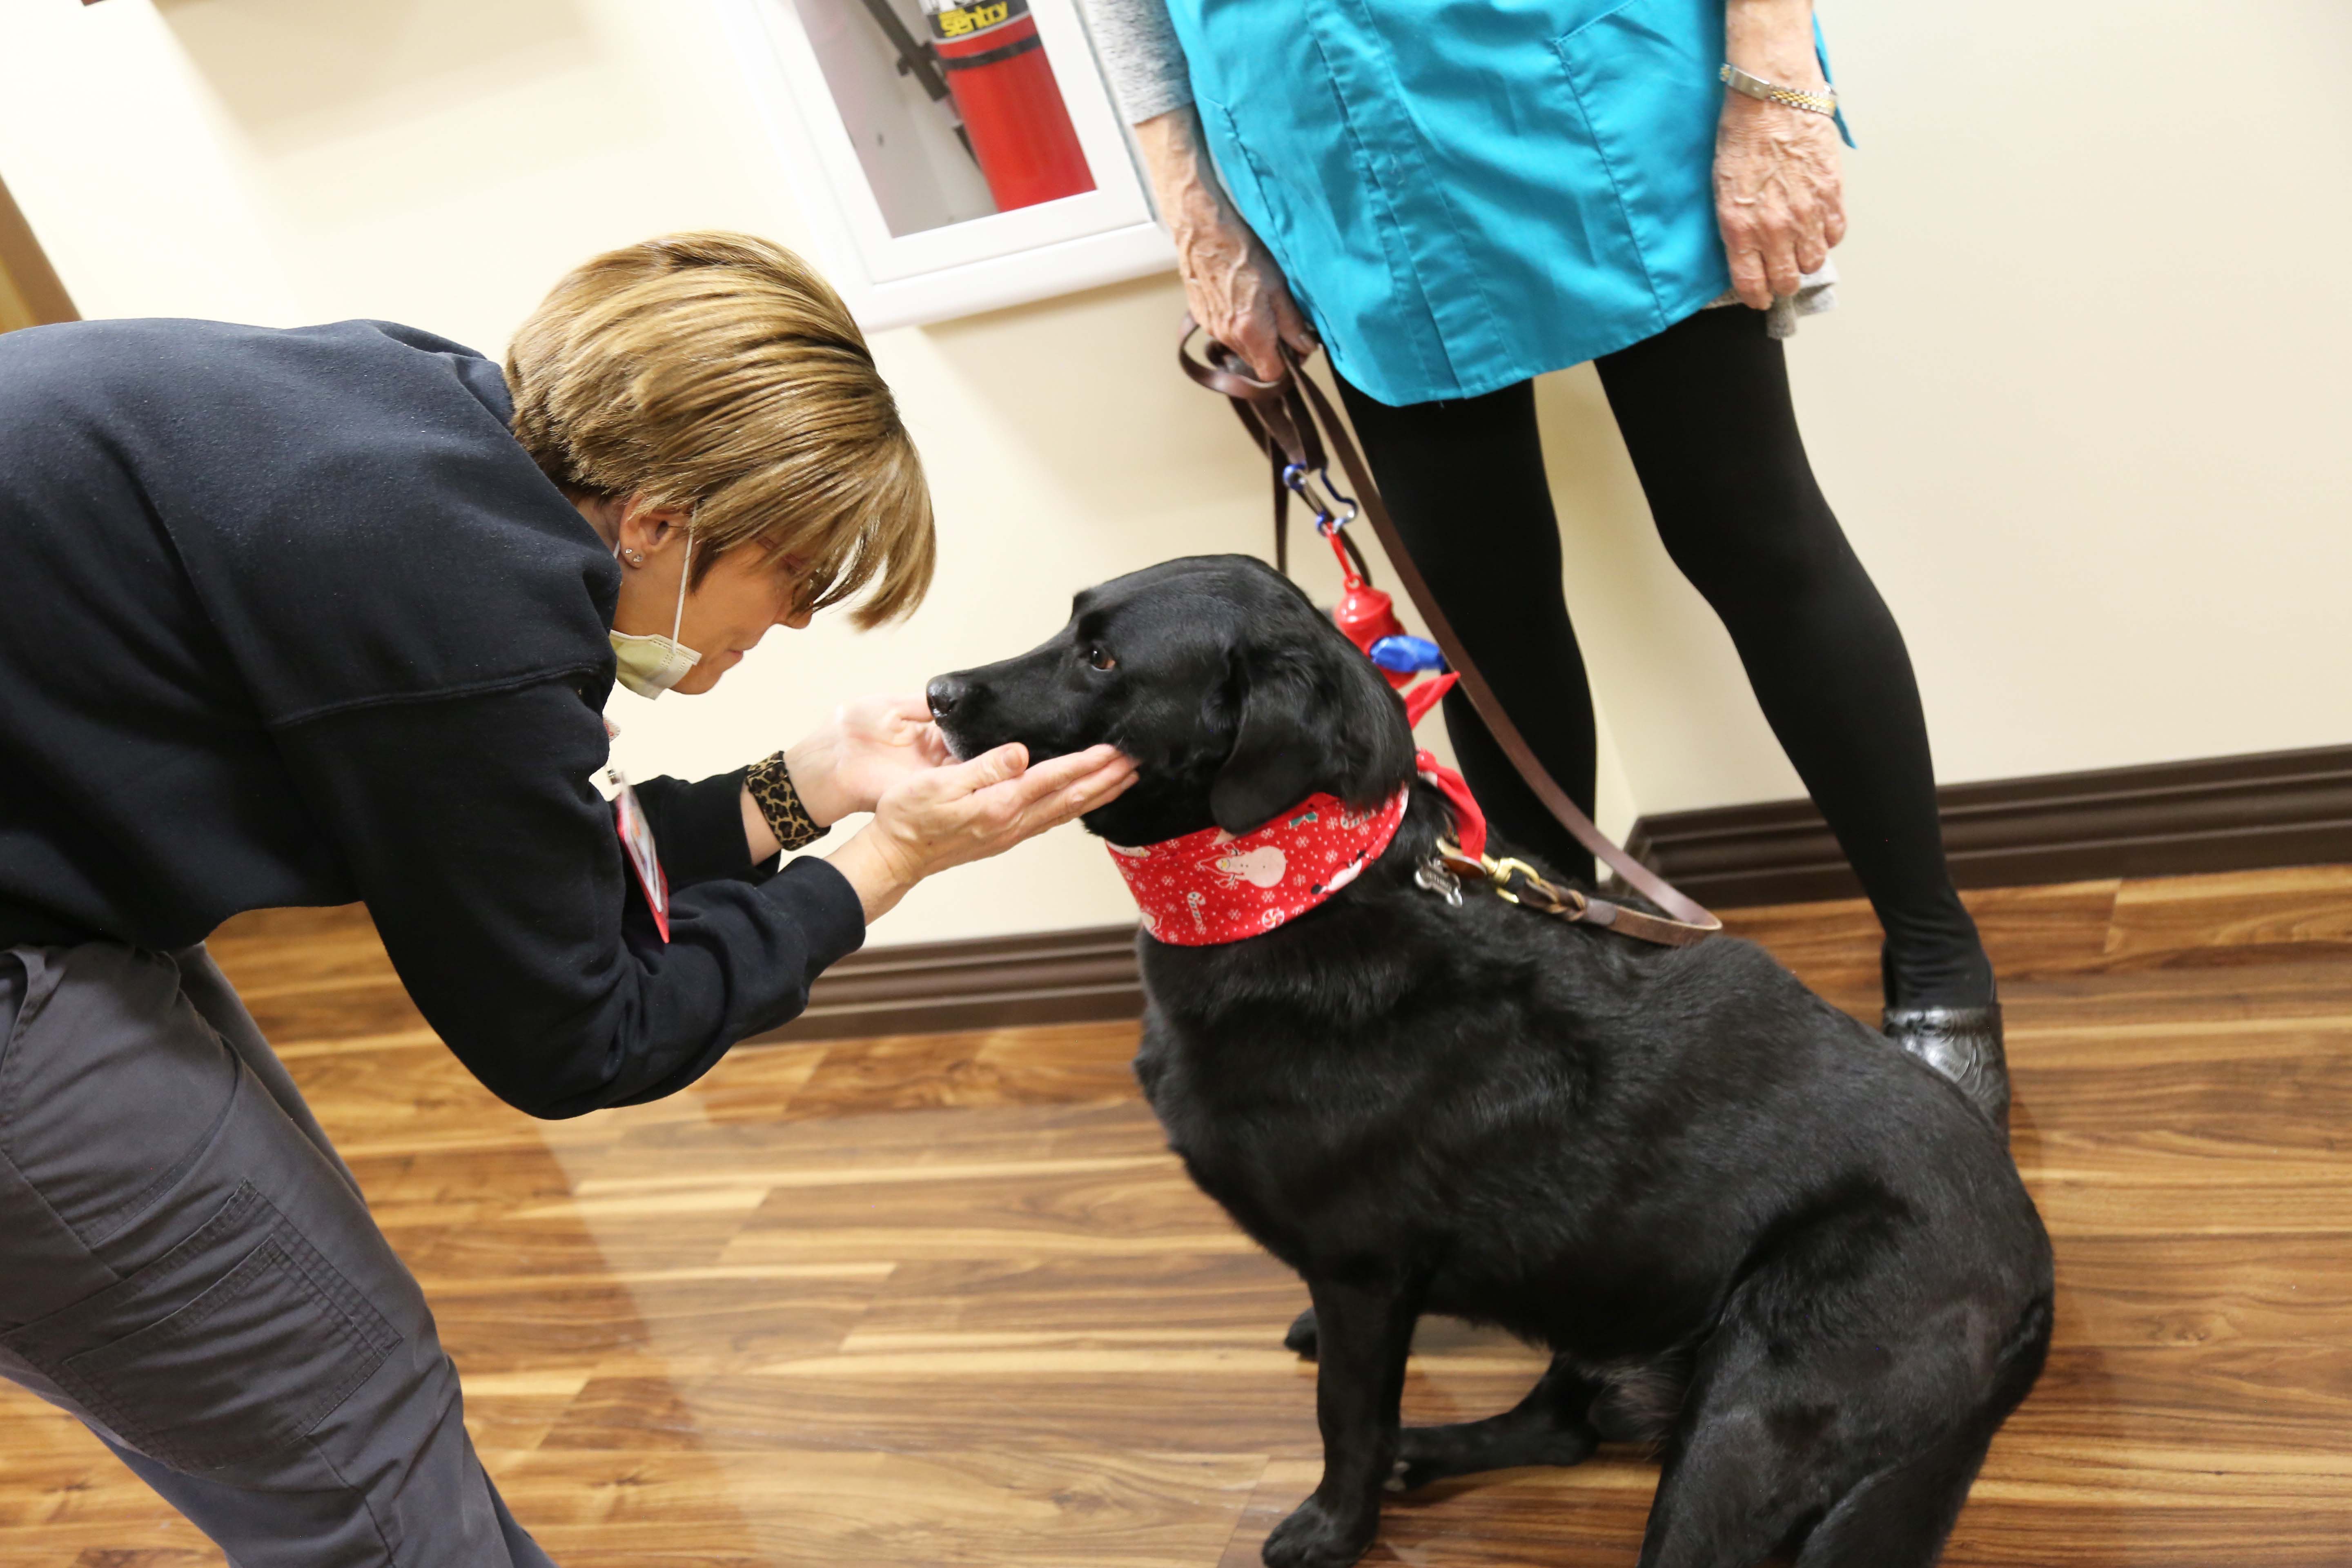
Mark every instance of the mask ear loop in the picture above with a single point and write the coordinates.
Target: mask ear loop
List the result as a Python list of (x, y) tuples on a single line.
[(677, 622)]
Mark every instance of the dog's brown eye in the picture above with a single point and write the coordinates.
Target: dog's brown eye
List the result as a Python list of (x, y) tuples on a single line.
[(1098, 657)]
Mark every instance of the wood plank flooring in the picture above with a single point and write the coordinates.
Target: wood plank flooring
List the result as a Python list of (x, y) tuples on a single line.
[(946, 1300)]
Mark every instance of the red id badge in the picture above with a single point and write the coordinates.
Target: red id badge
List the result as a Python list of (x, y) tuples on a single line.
[(638, 839)]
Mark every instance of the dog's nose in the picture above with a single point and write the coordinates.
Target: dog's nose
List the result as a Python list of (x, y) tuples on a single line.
[(943, 693)]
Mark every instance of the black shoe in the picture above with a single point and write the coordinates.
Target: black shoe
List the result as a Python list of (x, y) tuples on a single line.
[(1964, 1045)]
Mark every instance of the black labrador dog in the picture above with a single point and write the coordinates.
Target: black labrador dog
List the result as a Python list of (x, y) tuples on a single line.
[(1749, 1228)]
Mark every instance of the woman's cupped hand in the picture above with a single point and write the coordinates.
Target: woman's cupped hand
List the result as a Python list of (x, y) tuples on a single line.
[(951, 813), (870, 746)]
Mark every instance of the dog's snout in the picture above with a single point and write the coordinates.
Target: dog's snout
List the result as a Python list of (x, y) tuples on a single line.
[(944, 692)]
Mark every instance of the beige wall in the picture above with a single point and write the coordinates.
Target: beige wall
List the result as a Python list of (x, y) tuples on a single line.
[(2082, 411)]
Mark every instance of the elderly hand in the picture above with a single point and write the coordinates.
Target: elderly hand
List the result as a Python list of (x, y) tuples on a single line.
[(967, 811), (1777, 195), (1233, 287)]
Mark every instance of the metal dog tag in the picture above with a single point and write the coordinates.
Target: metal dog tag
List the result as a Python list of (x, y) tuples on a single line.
[(1433, 877)]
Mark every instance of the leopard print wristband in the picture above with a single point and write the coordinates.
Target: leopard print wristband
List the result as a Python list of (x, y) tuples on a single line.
[(771, 783)]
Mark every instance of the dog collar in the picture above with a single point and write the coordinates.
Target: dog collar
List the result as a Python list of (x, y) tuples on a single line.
[(1211, 887), (1205, 888), (1469, 822)]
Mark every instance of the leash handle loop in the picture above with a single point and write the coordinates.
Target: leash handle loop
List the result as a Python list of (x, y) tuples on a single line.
[(1289, 418)]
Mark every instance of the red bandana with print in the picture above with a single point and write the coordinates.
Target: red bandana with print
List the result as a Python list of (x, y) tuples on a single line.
[(1209, 887)]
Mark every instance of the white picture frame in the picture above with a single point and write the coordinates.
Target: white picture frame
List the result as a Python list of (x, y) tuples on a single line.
[(932, 274)]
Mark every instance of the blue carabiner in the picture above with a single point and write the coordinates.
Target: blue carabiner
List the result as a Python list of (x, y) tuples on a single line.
[(1328, 520)]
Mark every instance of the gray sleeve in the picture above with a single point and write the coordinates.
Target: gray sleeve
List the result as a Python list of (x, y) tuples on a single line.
[(1141, 56)]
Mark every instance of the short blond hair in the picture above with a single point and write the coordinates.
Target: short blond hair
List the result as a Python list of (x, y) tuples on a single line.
[(719, 373)]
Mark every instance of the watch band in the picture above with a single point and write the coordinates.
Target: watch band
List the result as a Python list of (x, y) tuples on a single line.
[(771, 783), (1738, 80)]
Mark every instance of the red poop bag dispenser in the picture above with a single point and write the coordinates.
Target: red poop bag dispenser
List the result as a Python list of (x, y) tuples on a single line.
[(1365, 615)]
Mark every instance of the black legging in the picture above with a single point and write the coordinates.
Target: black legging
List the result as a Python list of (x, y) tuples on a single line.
[(1705, 410)]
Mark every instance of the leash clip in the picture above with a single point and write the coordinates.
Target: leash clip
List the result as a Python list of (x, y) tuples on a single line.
[(1328, 519), (1536, 894), (1514, 881)]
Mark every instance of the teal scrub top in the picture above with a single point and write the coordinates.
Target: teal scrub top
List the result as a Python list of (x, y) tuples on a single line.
[(1465, 193)]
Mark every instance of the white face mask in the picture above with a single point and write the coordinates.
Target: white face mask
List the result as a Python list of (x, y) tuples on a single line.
[(650, 666)]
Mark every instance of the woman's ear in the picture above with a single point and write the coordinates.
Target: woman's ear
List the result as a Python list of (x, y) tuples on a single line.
[(1319, 721), (647, 526)]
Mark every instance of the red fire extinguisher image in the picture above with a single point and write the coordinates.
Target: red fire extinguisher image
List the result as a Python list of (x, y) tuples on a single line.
[(1012, 111)]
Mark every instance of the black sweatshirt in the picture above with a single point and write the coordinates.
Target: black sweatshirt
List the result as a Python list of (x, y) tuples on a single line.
[(289, 617)]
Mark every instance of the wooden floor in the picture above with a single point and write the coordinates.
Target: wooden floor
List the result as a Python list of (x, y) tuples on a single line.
[(946, 1300)]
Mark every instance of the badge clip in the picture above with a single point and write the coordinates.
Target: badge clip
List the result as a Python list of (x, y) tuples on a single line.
[(638, 839)]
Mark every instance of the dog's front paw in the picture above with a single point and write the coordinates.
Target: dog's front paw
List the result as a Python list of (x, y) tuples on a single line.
[(1410, 1473), (1426, 1455), (1302, 1339), (1315, 1537)]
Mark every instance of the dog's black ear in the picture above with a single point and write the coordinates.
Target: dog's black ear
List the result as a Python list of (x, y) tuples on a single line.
[(1320, 720)]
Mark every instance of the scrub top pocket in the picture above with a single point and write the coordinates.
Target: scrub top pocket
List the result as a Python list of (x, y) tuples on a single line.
[(1643, 75), (1238, 170), (1464, 197), (1329, 221)]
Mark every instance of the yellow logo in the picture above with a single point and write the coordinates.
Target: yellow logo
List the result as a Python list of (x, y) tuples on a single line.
[(960, 20)]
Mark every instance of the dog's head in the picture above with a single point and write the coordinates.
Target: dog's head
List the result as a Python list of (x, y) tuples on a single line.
[(1235, 696)]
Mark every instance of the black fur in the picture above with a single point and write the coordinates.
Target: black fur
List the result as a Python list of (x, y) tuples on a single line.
[(1750, 1229)]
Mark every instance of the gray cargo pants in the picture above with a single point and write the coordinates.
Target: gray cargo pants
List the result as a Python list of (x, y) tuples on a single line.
[(188, 1266)]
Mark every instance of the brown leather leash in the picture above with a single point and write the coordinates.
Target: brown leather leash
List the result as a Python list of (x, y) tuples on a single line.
[(1294, 424)]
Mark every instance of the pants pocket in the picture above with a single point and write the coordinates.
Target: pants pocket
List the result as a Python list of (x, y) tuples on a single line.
[(238, 1341), (111, 1085)]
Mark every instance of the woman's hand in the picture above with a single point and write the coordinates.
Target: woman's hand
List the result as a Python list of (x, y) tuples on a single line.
[(967, 811), (1233, 287), (872, 745), (1777, 195)]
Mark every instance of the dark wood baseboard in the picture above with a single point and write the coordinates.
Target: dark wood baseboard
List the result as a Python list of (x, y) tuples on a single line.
[(2218, 814), (934, 987), (2224, 813)]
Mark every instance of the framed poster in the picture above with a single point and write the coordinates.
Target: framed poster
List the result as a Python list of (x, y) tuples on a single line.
[(951, 155)]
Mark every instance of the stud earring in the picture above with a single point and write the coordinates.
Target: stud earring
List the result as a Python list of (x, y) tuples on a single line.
[(637, 557)]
